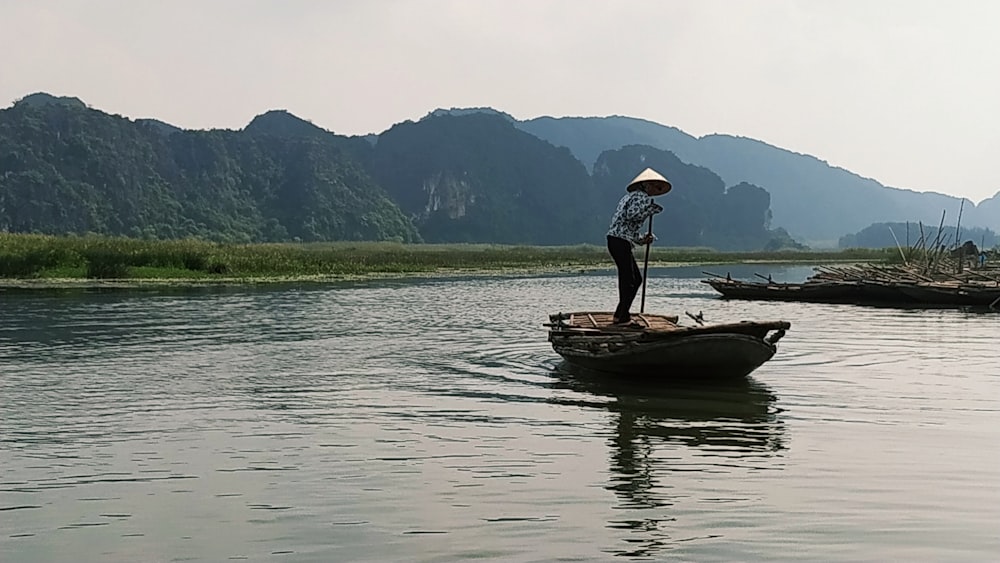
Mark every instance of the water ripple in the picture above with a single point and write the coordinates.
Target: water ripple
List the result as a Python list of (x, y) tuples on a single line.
[(431, 419)]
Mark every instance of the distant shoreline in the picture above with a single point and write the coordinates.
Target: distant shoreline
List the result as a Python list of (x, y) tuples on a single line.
[(30, 262), (152, 284)]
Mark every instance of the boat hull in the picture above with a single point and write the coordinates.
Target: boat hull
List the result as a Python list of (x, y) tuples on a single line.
[(704, 355), (812, 292), (657, 347), (954, 295), (893, 293)]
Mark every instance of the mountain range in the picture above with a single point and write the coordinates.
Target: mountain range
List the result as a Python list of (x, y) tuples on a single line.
[(813, 200), (458, 175)]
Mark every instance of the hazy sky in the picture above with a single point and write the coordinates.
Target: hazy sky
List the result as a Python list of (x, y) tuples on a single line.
[(903, 91)]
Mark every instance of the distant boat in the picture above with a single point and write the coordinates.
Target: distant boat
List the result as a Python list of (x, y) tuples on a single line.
[(957, 294), (817, 292), (903, 293), (655, 346)]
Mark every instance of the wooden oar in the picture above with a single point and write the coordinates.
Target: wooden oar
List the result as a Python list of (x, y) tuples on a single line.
[(645, 267)]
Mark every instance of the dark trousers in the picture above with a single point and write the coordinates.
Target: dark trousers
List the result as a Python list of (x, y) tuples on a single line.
[(629, 276)]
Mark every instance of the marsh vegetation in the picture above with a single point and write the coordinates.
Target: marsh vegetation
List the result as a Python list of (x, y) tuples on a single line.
[(96, 257)]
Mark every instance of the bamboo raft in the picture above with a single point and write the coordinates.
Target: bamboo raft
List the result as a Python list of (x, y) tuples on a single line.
[(874, 284), (931, 275), (657, 346)]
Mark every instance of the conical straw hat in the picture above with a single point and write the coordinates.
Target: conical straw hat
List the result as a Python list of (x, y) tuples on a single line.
[(649, 175)]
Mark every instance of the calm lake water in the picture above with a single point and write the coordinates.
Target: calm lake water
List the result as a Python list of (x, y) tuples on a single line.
[(429, 420)]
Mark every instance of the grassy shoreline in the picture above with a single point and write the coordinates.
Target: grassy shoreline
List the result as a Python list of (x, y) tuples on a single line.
[(47, 262)]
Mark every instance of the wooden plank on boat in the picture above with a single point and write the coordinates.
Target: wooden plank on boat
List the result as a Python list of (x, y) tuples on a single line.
[(580, 329), (604, 321), (575, 337)]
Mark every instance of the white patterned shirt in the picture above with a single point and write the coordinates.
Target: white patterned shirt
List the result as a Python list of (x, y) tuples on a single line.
[(632, 210)]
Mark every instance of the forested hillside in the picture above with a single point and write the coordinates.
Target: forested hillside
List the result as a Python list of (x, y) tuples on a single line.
[(65, 168), (476, 178), (452, 177)]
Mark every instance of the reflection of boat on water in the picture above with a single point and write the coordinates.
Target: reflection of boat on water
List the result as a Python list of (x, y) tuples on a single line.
[(656, 346), (684, 426), (738, 413)]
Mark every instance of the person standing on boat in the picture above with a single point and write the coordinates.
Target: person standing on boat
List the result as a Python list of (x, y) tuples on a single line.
[(634, 208)]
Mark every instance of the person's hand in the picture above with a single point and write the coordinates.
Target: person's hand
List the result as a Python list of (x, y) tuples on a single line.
[(647, 239)]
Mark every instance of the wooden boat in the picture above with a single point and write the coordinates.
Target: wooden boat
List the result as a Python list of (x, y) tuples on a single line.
[(903, 293), (817, 292), (859, 292), (907, 285), (961, 294), (657, 346)]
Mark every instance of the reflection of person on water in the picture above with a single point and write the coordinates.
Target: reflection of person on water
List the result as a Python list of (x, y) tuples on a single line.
[(633, 209), (724, 428), (632, 474)]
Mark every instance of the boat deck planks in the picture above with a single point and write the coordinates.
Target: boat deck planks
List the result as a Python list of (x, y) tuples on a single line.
[(647, 326), (655, 345), (604, 321)]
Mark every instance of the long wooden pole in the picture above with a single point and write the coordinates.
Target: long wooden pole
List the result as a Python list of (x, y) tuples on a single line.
[(645, 268)]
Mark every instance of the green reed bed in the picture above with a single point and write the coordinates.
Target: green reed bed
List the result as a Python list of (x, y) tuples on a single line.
[(95, 257)]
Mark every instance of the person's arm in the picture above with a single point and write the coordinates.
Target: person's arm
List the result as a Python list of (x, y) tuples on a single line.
[(648, 209)]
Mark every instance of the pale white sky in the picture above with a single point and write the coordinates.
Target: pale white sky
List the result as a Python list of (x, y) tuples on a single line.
[(903, 91)]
